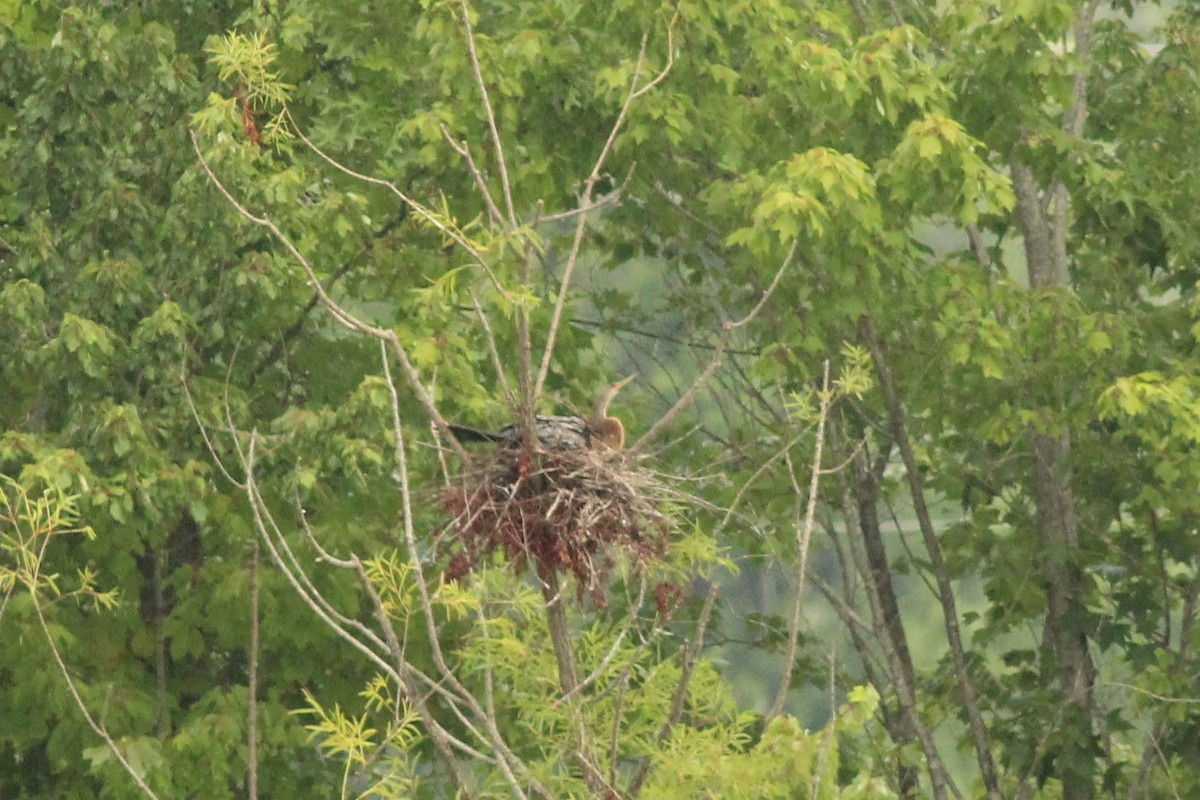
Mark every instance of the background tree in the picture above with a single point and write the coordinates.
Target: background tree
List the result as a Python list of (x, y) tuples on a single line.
[(981, 206)]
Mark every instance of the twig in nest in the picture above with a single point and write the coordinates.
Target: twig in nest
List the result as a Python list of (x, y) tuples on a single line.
[(572, 512)]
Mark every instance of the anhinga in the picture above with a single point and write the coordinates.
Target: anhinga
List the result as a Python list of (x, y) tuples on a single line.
[(562, 432)]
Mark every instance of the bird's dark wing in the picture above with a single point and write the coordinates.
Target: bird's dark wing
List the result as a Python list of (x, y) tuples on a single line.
[(563, 432), (465, 433), (553, 433)]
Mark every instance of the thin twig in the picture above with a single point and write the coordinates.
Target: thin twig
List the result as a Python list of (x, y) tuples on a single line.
[(497, 362), (691, 652), (96, 727), (727, 329), (590, 186), (609, 199), (610, 327), (754, 476), (770, 290), (498, 145), (208, 442), (461, 148), (803, 539)]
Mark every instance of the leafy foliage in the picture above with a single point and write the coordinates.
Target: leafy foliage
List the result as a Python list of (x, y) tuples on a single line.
[(976, 212)]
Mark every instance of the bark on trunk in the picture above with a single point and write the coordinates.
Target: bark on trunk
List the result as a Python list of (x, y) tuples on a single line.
[(905, 726), (1057, 527)]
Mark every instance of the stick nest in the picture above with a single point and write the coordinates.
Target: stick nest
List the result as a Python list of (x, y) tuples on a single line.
[(566, 511)]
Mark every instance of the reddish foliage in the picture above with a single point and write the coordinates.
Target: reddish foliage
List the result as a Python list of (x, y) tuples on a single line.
[(249, 126), (459, 567), (666, 596)]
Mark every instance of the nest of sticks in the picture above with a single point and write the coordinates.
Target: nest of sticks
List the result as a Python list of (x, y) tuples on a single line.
[(565, 512)]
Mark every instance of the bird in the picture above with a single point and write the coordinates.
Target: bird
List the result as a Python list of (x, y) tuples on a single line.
[(601, 431)]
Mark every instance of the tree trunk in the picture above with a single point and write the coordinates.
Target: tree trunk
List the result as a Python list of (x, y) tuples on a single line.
[(1057, 527), (905, 726)]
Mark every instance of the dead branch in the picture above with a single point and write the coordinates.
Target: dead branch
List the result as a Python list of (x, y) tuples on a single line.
[(96, 727), (589, 187), (340, 314), (803, 539), (690, 653)]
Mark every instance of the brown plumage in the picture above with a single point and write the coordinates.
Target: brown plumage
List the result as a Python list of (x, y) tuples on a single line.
[(607, 431)]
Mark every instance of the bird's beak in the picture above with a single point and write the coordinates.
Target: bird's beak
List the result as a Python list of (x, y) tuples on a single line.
[(621, 384)]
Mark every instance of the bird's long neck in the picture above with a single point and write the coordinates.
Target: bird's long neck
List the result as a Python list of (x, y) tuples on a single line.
[(608, 431), (600, 411)]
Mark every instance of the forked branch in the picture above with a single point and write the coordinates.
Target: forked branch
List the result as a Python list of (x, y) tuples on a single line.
[(589, 187), (715, 363), (342, 316)]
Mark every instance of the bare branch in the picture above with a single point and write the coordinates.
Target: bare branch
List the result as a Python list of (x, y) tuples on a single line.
[(449, 231), (297, 570), (493, 350), (690, 653), (605, 662), (687, 397), (683, 402), (461, 148), (585, 202), (758, 473), (508, 761), (846, 613), (208, 442), (284, 558), (491, 115), (803, 539), (341, 315), (770, 290), (95, 726), (610, 199), (252, 680), (264, 525)]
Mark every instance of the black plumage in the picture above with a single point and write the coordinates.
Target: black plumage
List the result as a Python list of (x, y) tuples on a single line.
[(554, 432)]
